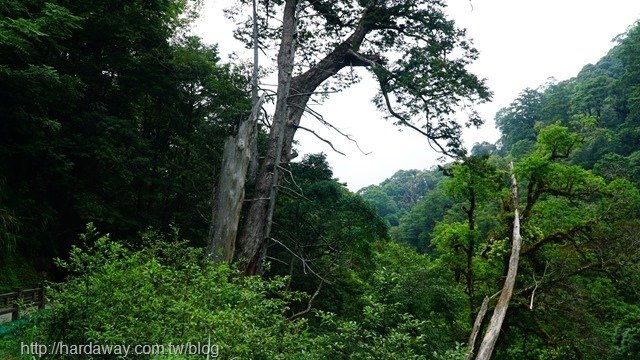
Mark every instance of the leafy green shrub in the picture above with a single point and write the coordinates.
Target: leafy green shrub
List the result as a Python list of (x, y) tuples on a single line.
[(13, 334), (167, 294), (412, 310), (627, 338)]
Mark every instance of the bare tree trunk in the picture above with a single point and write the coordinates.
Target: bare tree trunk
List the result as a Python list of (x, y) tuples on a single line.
[(254, 75), (257, 226), (229, 194), (292, 98), (493, 331), (253, 163), (477, 325)]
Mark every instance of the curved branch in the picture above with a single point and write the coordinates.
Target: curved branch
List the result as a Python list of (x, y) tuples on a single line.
[(308, 308), (322, 139), (328, 125), (370, 60)]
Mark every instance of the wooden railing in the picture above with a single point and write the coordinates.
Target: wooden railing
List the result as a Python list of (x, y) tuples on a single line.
[(10, 302)]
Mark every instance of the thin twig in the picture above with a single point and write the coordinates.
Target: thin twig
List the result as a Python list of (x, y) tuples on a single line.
[(308, 308), (294, 192), (292, 179), (322, 139), (533, 293), (305, 266), (276, 259), (316, 115)]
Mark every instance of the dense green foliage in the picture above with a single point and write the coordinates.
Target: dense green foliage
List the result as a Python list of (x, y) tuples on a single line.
[(575, 148), (180, 299), (600, 103), (114, 116), (589, 311), (323, 233), (110, 114), (416, 225), (395, 196), (166, 293)]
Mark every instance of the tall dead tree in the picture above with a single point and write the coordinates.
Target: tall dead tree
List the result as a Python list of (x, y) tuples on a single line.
[(422, 88), (495, 324), (239, 166), (257, 226), (255, 78), (229, 194), (477, 325)]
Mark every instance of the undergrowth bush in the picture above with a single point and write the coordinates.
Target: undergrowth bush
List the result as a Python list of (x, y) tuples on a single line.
[(166, 293)]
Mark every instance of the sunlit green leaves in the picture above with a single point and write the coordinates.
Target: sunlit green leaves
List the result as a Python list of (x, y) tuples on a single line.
[(476, 177), (451, 241), (556, 141), (23, 33)]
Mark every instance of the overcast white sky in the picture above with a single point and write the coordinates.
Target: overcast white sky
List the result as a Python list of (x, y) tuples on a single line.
[(521, 42)]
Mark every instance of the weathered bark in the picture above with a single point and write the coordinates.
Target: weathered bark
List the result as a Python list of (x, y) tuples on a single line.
[(253, 162), (477, 325), (303, 85), (257, 225), (256, 67), (493, 330), (229, 194), (292, 97)]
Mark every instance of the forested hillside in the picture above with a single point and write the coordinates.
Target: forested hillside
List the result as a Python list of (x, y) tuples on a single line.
[(401, 192), (119, 131), (575, 144), (600, 104)]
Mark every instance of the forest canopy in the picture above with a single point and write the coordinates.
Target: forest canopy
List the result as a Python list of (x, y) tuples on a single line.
[(115, 132)]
